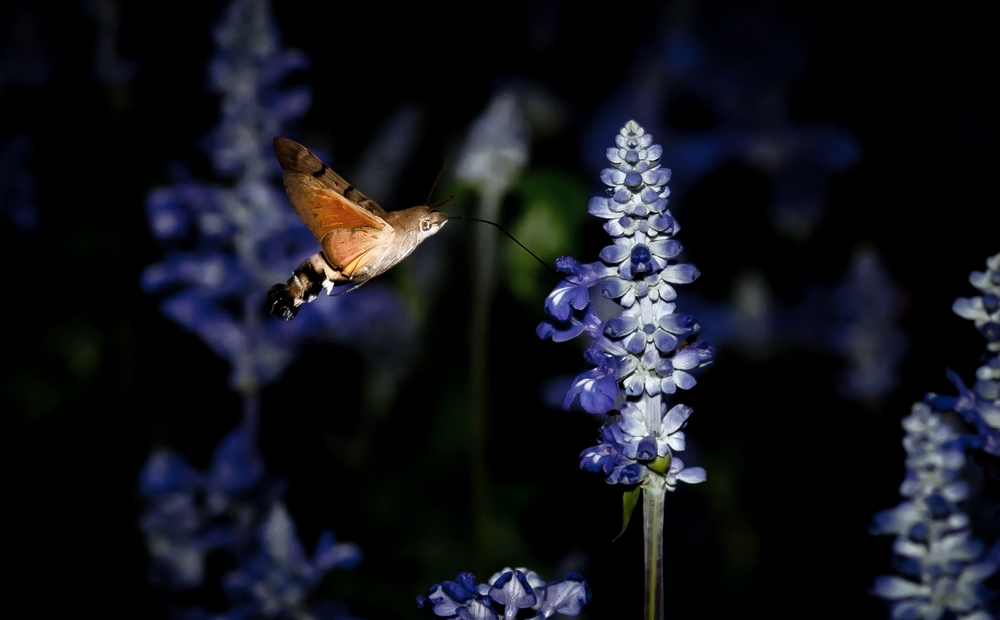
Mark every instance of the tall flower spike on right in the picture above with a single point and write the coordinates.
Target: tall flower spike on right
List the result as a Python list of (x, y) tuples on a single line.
[(980, 406), (942, 566), (646, 350)]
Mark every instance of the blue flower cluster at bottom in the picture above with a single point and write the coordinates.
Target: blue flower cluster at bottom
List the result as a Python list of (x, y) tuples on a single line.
[(511, 593)]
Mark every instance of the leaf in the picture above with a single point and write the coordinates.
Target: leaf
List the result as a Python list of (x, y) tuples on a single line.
[(629, 500)]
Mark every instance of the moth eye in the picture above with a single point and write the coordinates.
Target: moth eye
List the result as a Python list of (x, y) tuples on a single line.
[(425, 225)]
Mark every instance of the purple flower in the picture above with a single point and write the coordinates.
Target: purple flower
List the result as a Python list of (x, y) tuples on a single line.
[(647, 350), (233, 506), (980, 406), (224, 245), (942, 566), (511, 593)]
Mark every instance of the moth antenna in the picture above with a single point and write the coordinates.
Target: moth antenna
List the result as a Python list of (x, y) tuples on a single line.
[(504, 231), (434, 185), (442, 203)]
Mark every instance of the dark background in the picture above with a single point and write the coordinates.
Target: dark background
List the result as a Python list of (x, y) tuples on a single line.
[(95, 376)]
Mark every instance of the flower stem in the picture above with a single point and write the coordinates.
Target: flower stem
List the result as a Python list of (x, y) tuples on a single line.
[(483, 286), (654, 491)]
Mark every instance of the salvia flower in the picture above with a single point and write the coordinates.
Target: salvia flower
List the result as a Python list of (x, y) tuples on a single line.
[(277, 580), (511, 593), (226, 243), (866, 333), (647, 350), (980, 405), (942, 566), (235, 507), (189, 513)]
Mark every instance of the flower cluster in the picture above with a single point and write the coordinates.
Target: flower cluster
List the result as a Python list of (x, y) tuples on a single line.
[(980, 406), (233, 506), (865, 331), (647, 350), (943, 565), (224, 245), (511, 593)]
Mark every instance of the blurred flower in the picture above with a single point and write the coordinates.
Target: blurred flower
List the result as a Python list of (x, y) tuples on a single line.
[(868, 304), (647, 350), (234, 506), (496, 148), (225, 245), (24, 51), (391, 147), (511, 593), (189, 513), (109, 67), (943, 567), (277, 580), (857, 320)]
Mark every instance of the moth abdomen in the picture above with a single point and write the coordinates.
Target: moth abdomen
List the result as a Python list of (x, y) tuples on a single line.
[(280, 302), (308, 279)]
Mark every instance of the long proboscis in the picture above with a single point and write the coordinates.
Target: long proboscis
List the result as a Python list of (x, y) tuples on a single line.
[(513, 238)]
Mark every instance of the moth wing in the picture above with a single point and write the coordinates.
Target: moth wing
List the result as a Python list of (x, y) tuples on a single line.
[(347, 248), (323, 200)]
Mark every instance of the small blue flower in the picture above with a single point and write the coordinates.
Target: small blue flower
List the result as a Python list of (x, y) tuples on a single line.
[(511, 593), (647, 350)]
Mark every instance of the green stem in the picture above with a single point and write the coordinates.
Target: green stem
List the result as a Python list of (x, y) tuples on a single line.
[(482, 295), (654, 491)]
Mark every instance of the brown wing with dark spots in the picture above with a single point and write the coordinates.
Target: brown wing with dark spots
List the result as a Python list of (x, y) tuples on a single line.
[(323, 200)]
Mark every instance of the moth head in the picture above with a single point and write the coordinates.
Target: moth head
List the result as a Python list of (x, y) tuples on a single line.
[(430, 221)]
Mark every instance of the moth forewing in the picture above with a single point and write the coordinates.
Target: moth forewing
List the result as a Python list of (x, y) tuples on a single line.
[(360, 240), (322, 199)]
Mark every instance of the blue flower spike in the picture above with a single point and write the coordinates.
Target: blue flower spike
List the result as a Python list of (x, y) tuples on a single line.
[(942, 567), (647, 350), (644, 353), (510, 594)]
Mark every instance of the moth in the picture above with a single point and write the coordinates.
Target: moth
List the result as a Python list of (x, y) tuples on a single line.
[(359, 239)]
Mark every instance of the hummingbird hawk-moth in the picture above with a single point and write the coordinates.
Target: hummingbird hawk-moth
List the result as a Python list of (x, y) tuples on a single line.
[(359, 239)]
